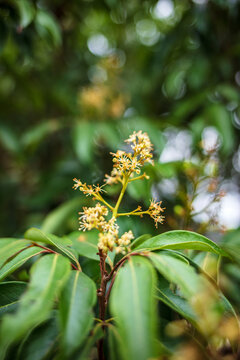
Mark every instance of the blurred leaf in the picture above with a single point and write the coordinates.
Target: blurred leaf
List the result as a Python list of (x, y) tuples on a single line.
[(114, 342), (96, 335), (31, 138), (53, 222), (218, 116), (63, 245), (48, 27), (175, 302), (133, 306), (38, 344), (178, 272), (27, 12), (10, 247), (48, 275), (76, 316), (9, 140), (10, 293), (181, 239), (18, 261), (83, 141)]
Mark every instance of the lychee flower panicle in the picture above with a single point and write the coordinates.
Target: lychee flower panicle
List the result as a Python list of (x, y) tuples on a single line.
[(141, 146), (88, 190), (155, 211), (93, 217)]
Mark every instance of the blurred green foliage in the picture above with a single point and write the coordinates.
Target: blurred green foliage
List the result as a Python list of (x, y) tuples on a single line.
[(77, 77)]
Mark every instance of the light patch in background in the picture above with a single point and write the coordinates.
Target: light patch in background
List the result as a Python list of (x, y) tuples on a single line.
[(210, 138), (168, 187), (98, 45), (200, 2), (236, 160), (97, 74), (147, 32), (178, 146), (229, 214), (163, 9)]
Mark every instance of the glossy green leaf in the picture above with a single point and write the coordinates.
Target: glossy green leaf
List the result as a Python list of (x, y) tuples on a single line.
[(18, 261), (10, 293), (137, 242), (177, 271), (181, 239), (175, 302), (48, 275), (76, 316), (132, 304), (9, 247), (63, 245)]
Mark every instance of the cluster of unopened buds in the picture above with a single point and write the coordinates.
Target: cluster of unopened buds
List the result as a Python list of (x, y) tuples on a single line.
[(126, 168)]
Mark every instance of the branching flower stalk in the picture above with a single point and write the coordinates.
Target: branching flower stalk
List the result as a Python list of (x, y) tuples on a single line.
[(103, 217)]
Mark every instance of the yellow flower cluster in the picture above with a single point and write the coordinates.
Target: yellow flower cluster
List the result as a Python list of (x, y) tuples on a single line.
[(155, 211), (130, 163), (87, 189), (124, 166), (93, 217)]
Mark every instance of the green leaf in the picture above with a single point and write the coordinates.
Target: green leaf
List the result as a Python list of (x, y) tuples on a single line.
[(177, 271), (38, 133), (18, 261), (175, 302), (76, 316), (96, 335), (85, 245), (10, 293), (27, 12), (39, 342), (48, 27), (114, 342), (48, 275), (37, 235), (137, 242), (55, 220), (10, 247), (218, 115), (181, 239), (132, 303), (83, 141)]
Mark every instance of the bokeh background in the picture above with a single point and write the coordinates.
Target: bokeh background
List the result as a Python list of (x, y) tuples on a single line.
[(77, 77)]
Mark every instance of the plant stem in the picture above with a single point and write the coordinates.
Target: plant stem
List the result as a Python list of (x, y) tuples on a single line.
[(125, 182), (101, 299), (139, 213)]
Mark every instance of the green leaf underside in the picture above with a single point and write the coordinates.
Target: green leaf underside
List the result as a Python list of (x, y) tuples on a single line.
[(48, 275), (37, 235), (76, 316), (9, 247), (181, 239), (18, 261), (132, 303), (175, 302), (178, 272), (10, 292)]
